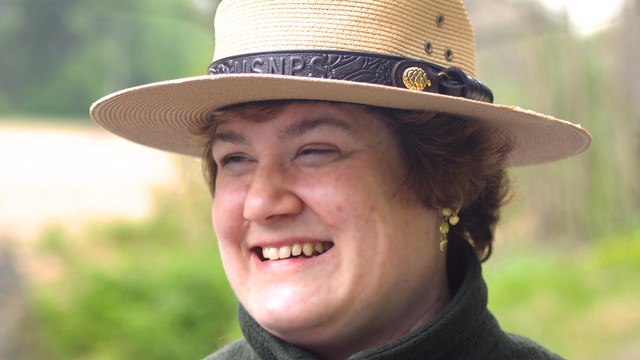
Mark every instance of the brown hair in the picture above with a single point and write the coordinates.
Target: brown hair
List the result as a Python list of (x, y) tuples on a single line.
[(451, 162), (457, 163)]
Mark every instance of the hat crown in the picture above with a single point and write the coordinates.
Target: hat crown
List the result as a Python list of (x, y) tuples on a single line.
[(437, 31)]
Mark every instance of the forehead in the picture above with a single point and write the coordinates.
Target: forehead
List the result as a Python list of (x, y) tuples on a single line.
[(263, 110), (341, 115)]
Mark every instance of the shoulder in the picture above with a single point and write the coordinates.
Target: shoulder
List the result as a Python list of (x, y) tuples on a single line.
[(239, 349), (521, 347)]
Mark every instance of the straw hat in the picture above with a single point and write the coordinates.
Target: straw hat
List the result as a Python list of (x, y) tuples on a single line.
[(409, 54)]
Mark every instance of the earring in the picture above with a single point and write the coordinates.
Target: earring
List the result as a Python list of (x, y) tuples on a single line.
[(449, 217)]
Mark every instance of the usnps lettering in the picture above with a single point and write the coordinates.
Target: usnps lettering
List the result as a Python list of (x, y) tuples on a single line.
[(313, 66)]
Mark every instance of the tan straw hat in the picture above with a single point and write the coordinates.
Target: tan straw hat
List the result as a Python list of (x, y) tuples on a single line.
[(408, 54)]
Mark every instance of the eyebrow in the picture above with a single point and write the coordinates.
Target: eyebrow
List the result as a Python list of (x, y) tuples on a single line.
[(300, 128), (288, 132), (230, 137)]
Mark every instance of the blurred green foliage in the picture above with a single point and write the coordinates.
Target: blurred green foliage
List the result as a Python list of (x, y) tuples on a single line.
[(60, 56), (152, 289), (581, 302)]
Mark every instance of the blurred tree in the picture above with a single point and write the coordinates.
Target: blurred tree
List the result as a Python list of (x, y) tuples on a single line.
[(535, 61), (61, 55)]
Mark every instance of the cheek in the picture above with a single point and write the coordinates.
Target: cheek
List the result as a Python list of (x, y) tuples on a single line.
[(227, 214), (340, 197), (229, 227)]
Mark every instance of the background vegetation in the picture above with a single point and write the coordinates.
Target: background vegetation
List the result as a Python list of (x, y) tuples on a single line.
[(567, 264), (151, 289), (59, 56)]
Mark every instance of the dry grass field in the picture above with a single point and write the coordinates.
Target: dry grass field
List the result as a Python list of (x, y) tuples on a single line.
[(65, 173)]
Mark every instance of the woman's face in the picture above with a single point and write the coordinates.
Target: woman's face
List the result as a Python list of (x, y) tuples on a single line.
[(319, 238)]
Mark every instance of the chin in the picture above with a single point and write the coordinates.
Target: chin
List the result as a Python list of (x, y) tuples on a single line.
[(289, 326), (290, 319)]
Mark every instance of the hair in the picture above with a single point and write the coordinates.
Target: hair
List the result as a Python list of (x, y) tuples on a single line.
[(451, 162)]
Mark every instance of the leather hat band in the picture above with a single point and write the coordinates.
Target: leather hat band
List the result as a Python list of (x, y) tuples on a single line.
[(358, 67)]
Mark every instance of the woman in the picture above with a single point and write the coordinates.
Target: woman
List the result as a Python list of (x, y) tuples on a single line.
[(357, 170)]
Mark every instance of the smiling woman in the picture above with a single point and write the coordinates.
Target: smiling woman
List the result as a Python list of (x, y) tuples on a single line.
[(295, 180), (356, 180), (290, 208)]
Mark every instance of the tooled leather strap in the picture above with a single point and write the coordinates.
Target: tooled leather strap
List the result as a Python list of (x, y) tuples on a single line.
[(359, 67)]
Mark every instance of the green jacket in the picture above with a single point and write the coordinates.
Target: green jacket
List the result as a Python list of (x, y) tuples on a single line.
[(464, 330)]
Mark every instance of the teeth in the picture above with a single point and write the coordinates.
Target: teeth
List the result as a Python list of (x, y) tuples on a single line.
[(295, 250), (274, 254), (285, 252), (307, 249)]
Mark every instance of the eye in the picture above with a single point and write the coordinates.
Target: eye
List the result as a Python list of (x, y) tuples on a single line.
[(316, 151), (235, 163), (317, 154), (233, 159)]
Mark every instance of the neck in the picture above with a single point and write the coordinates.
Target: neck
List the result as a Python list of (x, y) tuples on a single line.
[(432, 303)]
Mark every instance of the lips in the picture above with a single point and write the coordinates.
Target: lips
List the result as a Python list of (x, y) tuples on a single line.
[(295, 250)]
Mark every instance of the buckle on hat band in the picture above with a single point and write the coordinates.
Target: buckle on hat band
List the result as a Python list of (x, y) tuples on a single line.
[(368, 68)]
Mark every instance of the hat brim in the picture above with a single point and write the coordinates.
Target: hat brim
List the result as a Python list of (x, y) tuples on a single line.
[(165, 115)]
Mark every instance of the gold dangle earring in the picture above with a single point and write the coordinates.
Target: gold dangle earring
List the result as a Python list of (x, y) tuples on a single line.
[(449, 217)]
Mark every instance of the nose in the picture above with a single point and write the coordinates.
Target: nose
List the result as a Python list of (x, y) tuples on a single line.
[(270, 196)]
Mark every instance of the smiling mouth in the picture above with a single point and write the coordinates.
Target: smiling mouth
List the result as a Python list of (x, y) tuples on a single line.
[(302, 250)]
